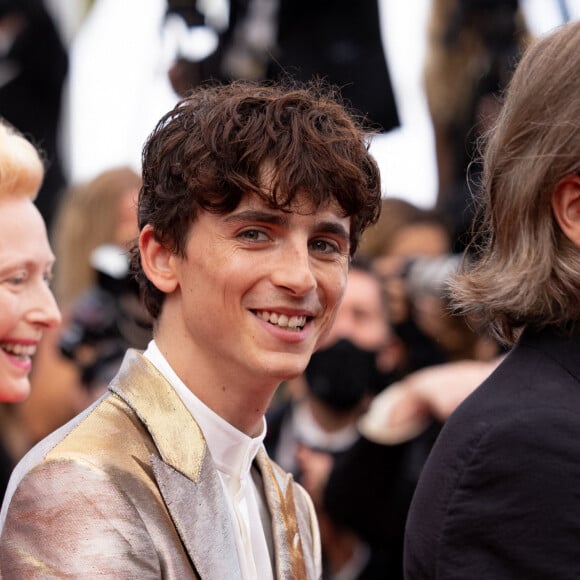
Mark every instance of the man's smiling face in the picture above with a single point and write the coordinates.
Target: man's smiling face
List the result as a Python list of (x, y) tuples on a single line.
[(258, 288)]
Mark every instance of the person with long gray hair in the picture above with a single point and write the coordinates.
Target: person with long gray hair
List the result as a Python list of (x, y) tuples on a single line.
[(498, 497)]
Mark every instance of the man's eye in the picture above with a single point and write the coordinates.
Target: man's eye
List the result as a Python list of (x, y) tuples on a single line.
[(253, 235), (324, 246)]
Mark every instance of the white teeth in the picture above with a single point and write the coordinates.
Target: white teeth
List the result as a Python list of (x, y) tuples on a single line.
[(18, 349), (282, 320), (296, 321)]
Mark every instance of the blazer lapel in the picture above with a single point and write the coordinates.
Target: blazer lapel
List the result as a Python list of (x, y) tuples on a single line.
[(290, 527), (184, 470), (201, 518)]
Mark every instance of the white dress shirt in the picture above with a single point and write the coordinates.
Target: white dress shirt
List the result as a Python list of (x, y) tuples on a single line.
[(233, 453)]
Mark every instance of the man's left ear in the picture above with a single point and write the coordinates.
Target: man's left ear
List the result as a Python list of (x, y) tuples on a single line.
[(156, 261), (566, 207)]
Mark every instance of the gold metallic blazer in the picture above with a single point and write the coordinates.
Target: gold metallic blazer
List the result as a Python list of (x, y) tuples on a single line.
[(128, 490)]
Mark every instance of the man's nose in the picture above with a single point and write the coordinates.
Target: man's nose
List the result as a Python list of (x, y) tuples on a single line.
[(293, 270)]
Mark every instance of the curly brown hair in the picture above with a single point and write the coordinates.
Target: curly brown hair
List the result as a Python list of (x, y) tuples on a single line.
[(211, 149)]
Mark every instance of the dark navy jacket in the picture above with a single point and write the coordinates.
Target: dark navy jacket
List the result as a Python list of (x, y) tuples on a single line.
[(499, 496)]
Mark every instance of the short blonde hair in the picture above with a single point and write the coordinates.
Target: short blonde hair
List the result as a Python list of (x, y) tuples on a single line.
[(21, 168)]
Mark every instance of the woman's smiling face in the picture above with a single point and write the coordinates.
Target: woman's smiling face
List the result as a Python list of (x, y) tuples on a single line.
[(27, 306)]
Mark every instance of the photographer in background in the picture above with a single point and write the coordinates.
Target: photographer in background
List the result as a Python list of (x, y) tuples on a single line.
[(104, 321), (404, 233)]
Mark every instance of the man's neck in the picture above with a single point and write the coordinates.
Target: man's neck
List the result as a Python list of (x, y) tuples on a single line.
[(241, 401)]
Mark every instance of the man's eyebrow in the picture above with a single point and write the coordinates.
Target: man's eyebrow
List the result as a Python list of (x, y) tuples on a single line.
[(281, 219), (330, 227), (256, 215)]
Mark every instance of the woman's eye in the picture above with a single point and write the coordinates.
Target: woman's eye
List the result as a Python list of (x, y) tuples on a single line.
[(15, 280)]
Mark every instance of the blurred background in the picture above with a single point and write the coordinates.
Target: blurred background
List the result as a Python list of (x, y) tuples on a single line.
[(87, 80), (121, 51)]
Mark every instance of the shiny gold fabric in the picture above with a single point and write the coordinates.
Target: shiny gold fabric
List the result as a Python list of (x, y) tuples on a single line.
[(128, 490)]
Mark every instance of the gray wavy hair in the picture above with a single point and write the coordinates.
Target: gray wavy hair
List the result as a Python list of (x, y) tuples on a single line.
[(526, 272)]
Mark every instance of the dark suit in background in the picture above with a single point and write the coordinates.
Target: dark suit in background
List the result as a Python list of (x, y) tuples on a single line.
[(499, 496), (33, 71), (338, 40), (341, 41)]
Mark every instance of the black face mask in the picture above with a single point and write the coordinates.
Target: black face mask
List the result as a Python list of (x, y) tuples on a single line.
[(342, 374)]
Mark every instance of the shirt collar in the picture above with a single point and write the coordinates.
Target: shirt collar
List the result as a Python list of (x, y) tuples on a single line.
[(232, 451)]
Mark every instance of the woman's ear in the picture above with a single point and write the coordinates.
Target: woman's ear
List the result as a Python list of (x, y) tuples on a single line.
[(156, 261), (566, 207)]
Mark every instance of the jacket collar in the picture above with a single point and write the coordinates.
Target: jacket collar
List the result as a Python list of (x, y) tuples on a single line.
[(190, 485), (562, 347), (177, 436), (185, 474)]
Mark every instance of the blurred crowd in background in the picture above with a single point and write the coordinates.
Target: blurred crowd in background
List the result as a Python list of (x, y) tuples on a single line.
[(87, 80)]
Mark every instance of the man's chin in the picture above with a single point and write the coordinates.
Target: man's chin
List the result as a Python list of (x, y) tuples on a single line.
[(290, 369)]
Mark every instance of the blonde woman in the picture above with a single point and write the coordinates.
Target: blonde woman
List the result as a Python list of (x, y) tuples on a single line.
[(27, 306), (100, 211)]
